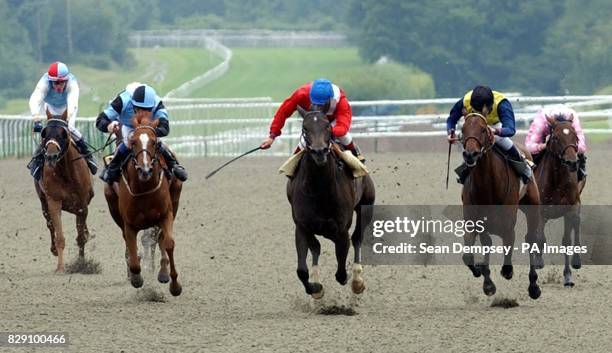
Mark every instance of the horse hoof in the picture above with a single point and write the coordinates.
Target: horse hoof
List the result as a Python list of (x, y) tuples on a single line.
[(59, 269), (534, 292), (175, 289), (163, 277), (358, 286), (54, 251), (342, 278), (475, 271), (576, 263), (136, 280), (318, 295), (568, 284), (507, 271), (489, 289)]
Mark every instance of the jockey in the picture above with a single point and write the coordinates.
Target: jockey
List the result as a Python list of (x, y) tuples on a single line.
[(57, 91), (136, 96), (500, 118), (319, 95), (539, 131)]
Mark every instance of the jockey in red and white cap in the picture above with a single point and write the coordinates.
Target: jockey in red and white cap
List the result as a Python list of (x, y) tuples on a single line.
[(320, 95), (57, 91), (539, 131)]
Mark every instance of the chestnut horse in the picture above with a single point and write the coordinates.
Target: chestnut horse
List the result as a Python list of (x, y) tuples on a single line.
[(144, 198), (65, 186), (323, 198), (491, 192), (560, 190)]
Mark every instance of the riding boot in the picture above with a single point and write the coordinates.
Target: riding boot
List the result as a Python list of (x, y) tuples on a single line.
[(89, 158), (355, 151), (582, 173), (519, 164), (462, 172), (36, 164), (112, 172), (179, 172)]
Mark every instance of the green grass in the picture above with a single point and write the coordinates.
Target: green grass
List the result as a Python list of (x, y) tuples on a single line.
[(162, 68), (276, 72)]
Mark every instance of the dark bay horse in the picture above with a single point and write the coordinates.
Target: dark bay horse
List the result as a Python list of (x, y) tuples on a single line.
[(144, 198), (560, 190), (65, 186), (323, 198), (491, 192)]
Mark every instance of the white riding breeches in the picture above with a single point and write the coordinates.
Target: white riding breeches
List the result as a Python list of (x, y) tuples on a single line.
[(504, 142)]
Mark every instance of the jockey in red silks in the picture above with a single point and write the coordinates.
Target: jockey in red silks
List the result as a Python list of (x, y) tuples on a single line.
[(539, 131), (321, 95)]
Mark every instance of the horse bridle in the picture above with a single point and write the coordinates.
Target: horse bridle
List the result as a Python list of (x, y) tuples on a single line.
[(560, 155), (62, 151), (304, 136), (484, 146), (154, 156)]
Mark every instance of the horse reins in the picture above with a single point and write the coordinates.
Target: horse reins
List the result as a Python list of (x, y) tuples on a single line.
[(484, 147), (154, 157)]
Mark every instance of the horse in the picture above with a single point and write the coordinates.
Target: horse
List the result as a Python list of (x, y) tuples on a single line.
[(491, 192), (65, 185), (559, 187), (323, 198), (145, 198)]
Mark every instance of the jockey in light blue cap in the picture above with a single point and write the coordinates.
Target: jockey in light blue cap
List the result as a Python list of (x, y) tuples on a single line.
[(121, 110)]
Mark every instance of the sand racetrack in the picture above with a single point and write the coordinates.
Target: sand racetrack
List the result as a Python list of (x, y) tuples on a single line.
[(236, 260)]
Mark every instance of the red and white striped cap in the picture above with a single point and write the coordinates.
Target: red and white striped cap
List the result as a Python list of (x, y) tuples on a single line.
[(58, 71)]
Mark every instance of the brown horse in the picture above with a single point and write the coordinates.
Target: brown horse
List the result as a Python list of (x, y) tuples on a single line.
[(323, 198), (560, 190), (491, 192), (144, 198), (65, 186)]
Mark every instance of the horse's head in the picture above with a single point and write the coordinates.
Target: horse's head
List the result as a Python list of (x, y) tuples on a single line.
[(144, 144), (317, 133), (55, 138), (477, 138), (563, 142)]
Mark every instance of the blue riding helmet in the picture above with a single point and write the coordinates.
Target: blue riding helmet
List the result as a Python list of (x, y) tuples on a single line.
[(321, 91), (144, 97)]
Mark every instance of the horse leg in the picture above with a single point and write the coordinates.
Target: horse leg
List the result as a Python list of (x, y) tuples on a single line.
[(315, 249), (82, 232), (534, 289), (575, 224), (45, 211), (55, 212), (468, 259), (567, 241), (129, 235), (163, 276), (535, 221), (301, 246), (488, 287), (358, 284), (541, 240), (113, 204), (168, 244), (342, 247), (507, 270)]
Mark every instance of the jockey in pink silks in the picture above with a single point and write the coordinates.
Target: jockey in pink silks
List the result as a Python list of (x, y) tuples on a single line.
[(539, 131)]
